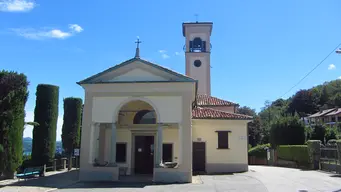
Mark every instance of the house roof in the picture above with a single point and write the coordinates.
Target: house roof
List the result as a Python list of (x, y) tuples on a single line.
[(207, 100), (182, 78), (322, 113), (209, 113), (335, 112)]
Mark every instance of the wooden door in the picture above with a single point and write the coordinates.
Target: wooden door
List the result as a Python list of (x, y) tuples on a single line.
[(144, 154), (199, 157)]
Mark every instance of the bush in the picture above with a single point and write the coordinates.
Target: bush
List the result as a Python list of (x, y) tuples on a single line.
[(287, 130), (259, 151), (297, 153)]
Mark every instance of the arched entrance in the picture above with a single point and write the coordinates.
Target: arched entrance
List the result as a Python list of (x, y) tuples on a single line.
[(140, 119)]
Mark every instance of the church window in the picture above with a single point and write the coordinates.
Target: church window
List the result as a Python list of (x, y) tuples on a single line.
[(197, 63), (197, 45), (145, 117), (121, 152), (223, 139)]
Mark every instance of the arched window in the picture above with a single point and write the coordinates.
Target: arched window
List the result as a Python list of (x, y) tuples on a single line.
[(197, 45), (145, 117)]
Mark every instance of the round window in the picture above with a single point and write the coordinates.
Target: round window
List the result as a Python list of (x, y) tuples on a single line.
[(197, 63)]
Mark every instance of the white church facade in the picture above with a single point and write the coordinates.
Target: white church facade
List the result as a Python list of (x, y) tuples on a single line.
[(142, 118)]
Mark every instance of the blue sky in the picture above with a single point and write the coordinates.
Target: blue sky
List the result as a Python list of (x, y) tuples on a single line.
[(260, 48)]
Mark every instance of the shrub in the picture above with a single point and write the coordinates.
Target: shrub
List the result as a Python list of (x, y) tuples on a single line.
[(259, 150), (46, 115), (297, 153), (287, 130)]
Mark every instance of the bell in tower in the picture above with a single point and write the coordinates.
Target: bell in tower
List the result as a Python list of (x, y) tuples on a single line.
[(197, 52)]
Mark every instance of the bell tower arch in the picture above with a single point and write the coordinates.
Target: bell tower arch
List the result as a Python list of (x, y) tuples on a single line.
[(197, 52)]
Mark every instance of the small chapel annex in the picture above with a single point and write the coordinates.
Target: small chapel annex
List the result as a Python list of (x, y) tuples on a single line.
[(142, 118)]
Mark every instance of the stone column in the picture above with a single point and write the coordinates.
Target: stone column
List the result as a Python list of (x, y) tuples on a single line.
[(314, 152), (92, 143), (180, 144), (113, 145), (159, 146)]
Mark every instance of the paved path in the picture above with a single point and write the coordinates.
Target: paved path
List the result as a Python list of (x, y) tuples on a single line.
[(51, 181), (258, 179)]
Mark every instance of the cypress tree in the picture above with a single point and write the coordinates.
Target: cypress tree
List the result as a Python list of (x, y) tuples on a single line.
[(46, 115), (71, 124), (13, 97)]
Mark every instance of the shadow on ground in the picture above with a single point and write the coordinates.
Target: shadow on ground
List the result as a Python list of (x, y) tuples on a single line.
[(105, 185), (51, 181)]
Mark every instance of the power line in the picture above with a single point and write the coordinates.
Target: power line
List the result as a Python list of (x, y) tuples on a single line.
[(312, 70)]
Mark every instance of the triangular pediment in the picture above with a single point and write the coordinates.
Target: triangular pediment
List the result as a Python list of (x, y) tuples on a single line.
[(137, 70)]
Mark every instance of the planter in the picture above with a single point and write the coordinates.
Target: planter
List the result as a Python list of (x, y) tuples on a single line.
[(170, 164)]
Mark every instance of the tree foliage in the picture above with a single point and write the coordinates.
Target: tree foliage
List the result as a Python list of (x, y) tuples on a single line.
[(254, 131), (13, 97), (304, 102), (46, 115), (72, 123)]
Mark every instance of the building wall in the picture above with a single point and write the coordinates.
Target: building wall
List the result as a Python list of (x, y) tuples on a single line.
[(234, 159)]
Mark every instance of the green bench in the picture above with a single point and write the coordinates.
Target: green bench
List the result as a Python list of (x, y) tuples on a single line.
[(30, 172)]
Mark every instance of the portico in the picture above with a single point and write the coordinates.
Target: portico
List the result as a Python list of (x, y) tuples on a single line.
[(138, 115)]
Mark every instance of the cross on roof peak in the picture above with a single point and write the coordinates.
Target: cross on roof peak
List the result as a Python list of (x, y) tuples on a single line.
[(137, 53)]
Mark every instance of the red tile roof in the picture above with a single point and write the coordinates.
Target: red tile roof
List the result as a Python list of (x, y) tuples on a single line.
[(208, 113), (206, 100)]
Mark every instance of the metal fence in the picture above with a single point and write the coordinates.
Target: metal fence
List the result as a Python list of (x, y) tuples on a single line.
[(329, 159)]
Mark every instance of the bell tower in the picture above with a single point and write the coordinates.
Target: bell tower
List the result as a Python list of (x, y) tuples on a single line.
[(197, 52)]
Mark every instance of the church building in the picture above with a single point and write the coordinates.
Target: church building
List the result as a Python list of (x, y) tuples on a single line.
[(141, 118)]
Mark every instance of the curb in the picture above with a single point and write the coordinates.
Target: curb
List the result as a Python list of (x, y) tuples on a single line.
[(53, 189)]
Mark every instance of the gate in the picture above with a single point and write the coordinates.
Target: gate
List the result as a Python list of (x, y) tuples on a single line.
[(329, 159)]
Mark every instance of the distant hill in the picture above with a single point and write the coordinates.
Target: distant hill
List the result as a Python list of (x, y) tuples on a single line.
[(27, 146)]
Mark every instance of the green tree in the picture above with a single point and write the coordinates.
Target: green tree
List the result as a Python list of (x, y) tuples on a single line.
[(71, 125), (13, 97), (287, 130), (304, 102), (254, 129), (336, 99), (331, 133), (46, 115)]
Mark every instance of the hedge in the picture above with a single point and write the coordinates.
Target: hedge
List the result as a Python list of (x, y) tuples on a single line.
[(259, 151), (297, 153), (13, 97), (46, 115)]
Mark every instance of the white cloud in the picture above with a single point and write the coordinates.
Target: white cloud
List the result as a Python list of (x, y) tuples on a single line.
[(29, 129), (163, 54), (76, 28), (47, 33), (339, 77), (331, 67), (17, 5), (177, 53)]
